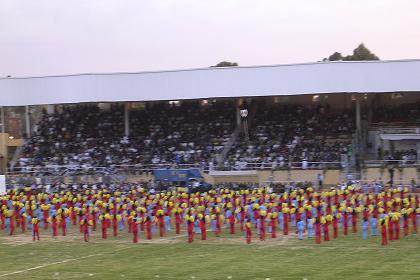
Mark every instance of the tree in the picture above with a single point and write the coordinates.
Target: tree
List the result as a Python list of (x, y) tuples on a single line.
[(334, 57), (225, 64), (359, 54)]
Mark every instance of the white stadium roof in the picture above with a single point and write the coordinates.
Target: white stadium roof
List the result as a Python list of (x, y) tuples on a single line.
[(290, 79)]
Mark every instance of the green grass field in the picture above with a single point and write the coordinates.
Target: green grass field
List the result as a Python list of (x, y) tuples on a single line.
[(225, 257)]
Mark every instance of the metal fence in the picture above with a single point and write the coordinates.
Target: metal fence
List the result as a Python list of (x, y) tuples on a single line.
[(55, 173), (140, 168), (278, 166), (391, 163)]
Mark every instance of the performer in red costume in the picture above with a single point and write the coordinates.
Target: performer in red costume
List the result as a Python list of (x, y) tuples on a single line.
[(35, 229), (135, 228), (390, 229), (345, 223), (241, 214), (44, 209), (285, 221), (262, 225), (414, 220), (273, 224), (232, 223), (63, 224), (397, 227), (405, 225), (73, 216), (11, 222), (130, 223), (54, 225), (23, 222), (3, 217), (161, 222), (81, 217), (335, 226), (248, 233), (115, 224), (384, 240), (93, 217), (325, 227), (178, 221), (104, 225), (317, 231), (354, 221), (85, 226), (190, 228), (148, 226), (203, 229)]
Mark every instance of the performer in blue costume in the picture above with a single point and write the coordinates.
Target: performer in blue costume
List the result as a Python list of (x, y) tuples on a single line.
[(300, 227), (365, 226)]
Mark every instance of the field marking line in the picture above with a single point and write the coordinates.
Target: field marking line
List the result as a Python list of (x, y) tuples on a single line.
[(81, 258), (63, 261), (49, 264)]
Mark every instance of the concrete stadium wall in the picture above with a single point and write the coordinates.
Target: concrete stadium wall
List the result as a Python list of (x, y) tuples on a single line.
[(92, 179), (139, 178), (14, 142), (5, 143), (331, 177), (403, 174)]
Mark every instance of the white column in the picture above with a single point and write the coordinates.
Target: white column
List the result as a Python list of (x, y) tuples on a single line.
[(27, 122), (358, 127), (3, 121), (126, 119), (358, 115), (50, 109), (238, 117)]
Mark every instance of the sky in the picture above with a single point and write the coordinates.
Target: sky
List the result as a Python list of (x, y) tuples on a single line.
[(54, 37)]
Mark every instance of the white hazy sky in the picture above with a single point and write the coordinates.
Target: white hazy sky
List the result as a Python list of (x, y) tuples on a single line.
[(45, 37)]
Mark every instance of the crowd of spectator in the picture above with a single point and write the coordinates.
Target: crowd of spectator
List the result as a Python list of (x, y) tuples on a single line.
[(195, 133), (293, 136), (185, 134), (86, 136), (402, 157), (406, 115), (403, 113)]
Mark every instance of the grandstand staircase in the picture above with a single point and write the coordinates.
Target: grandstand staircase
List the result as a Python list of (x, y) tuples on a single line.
[(228, 146), (353, 173), (17, 154), (36, 115), (352, 169), (235, 134)]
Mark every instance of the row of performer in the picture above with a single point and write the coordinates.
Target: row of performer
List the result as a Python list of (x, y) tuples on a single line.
[(259, 212)]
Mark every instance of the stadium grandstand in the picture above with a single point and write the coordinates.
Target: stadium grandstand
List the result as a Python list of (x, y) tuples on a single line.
[(323, 122)]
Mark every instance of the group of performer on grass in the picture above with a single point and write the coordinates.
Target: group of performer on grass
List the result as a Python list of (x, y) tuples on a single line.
[(258, 211)]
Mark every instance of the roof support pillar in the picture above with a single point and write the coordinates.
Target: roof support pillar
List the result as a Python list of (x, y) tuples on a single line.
[(27, 121), (126, 119)]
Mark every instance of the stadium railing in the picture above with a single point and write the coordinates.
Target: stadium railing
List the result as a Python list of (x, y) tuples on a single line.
[(278, 166), (134, 169), (391, 163), (139, 169)]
